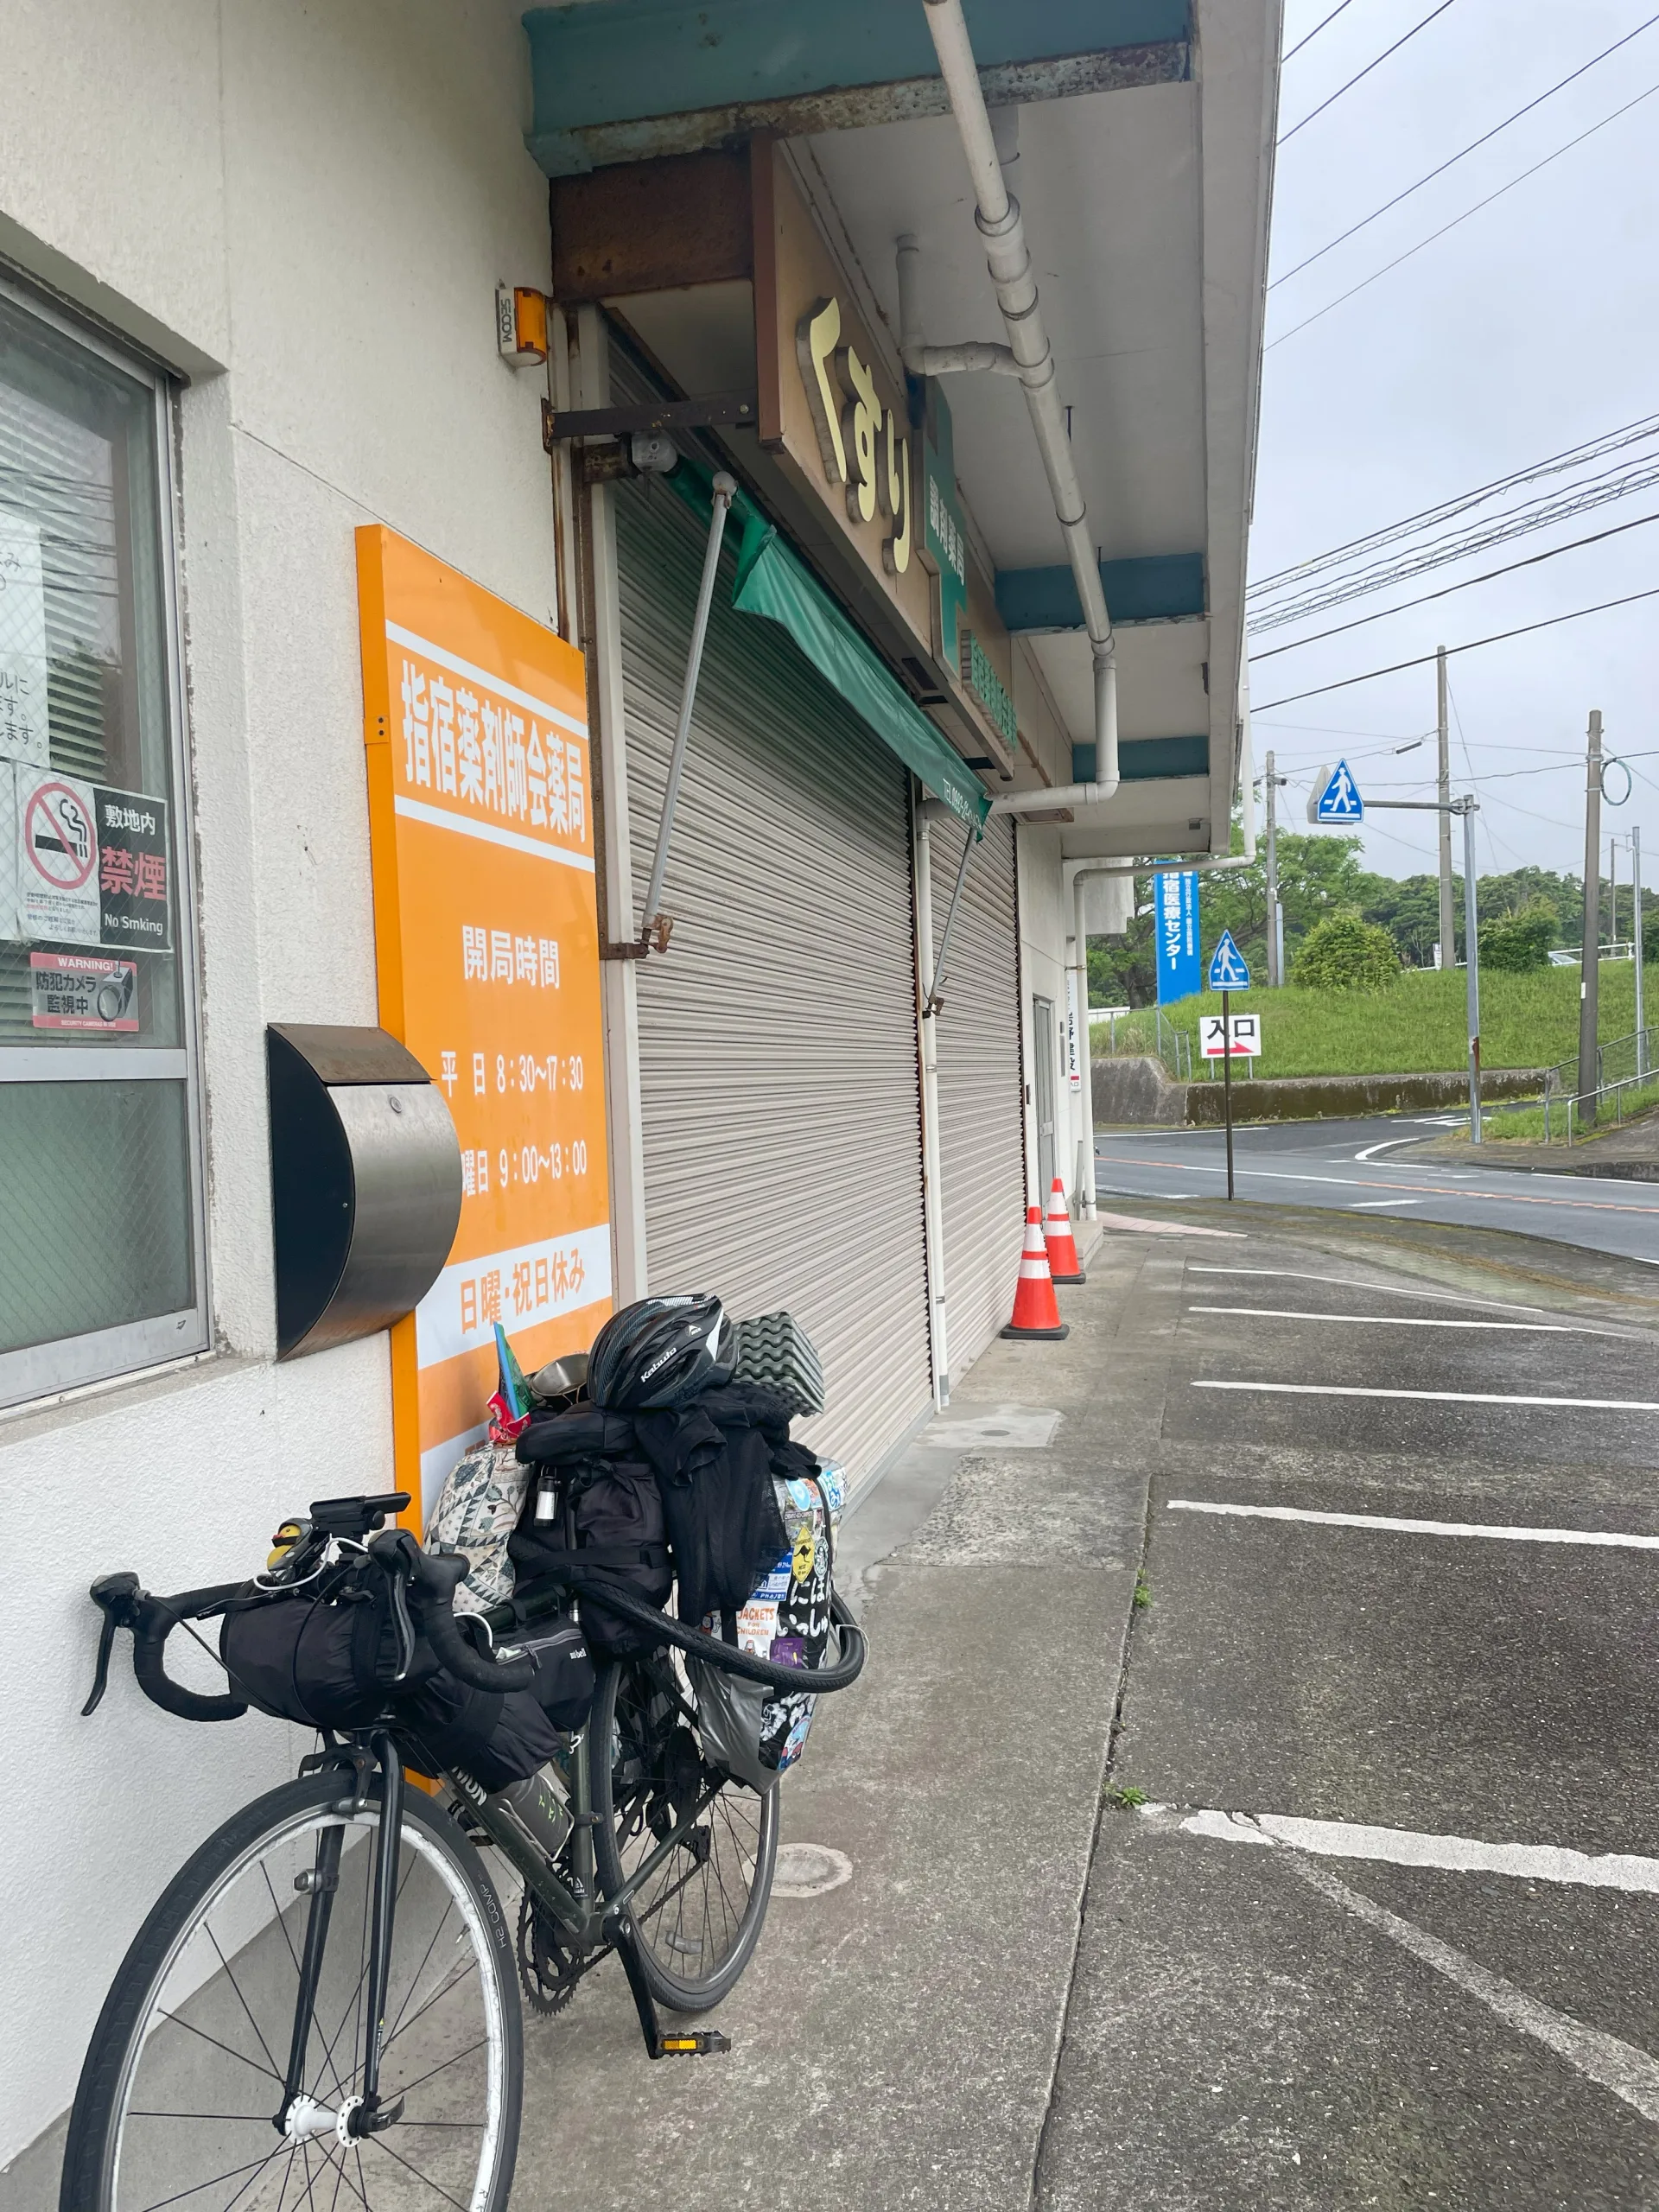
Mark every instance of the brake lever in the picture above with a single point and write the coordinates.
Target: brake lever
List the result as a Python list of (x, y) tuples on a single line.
[(392, 1552), (114, 1596)]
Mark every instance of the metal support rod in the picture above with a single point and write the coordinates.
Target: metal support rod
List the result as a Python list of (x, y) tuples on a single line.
[(1472, 963), (1226, 1078), (931, 1004), (1590, 950), (1083, 1186), (725, 489)]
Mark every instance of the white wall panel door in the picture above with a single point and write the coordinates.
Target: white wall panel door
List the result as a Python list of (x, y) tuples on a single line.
[(980, 1112), (779, 1072)]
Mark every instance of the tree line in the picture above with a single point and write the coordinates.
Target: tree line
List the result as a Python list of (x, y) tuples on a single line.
[(1522, 915)]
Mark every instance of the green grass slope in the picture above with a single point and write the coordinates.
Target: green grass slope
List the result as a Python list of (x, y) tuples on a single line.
[(1416, 1026)]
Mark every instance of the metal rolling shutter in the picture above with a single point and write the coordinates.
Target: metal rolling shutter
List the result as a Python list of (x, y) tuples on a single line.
[(981, 1116), (778, 1075)]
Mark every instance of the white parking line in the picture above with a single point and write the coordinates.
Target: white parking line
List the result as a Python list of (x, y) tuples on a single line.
[(1367, 1205), (1451, 1854), (1372, 1150), (1404, 1320), (1440, 1397), (1603, 1539)]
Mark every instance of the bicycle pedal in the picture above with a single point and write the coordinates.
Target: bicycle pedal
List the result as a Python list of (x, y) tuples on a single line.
[(697, 2045)]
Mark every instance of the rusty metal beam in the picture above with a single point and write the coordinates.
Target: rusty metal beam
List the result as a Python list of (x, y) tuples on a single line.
[(597, 146)]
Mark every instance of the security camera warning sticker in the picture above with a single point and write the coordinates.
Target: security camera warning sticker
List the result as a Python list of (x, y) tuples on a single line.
[(73, 990), (90, 866)]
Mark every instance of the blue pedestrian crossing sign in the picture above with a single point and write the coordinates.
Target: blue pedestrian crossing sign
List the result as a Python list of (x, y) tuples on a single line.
[(1338, 799), (1227, 968)]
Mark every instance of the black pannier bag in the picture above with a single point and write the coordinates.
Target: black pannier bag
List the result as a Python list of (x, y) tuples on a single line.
[(586, 1458), (496, 1737)]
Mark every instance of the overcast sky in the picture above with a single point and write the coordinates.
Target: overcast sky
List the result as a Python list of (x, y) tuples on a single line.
[(1529, 327)]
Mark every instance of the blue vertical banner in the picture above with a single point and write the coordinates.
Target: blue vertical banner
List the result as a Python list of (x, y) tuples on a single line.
[(1175, 924)]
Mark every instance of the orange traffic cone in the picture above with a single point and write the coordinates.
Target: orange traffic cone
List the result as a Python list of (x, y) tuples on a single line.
[(1063, 1264), (1036, 1310)]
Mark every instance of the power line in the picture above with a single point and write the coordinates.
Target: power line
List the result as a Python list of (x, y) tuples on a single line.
[(1645, 426), (1314, 33), (1509, 569), (1463, 218), (1421, 660), (1533, 515), (1365, 72), (1474, 146)]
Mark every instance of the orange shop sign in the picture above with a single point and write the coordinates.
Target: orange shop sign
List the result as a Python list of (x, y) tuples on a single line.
[(486, 947)]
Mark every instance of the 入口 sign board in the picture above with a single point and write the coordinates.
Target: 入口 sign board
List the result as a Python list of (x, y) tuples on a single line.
[(1246, 1036), (486, 946)]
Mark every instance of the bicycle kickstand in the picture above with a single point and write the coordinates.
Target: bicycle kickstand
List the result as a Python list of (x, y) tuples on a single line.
[(696, 2042)]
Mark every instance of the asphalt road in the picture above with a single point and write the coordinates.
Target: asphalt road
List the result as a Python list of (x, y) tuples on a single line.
[(1367, 1167), (1383, 1933)]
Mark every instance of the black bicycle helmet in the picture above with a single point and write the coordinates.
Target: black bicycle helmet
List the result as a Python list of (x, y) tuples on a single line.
[(660, 1352)]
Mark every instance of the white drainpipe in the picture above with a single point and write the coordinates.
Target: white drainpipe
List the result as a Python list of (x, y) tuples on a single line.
[(1002, 227)]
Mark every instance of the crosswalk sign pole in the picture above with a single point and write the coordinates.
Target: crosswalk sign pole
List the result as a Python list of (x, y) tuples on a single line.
[(1226, 1078)]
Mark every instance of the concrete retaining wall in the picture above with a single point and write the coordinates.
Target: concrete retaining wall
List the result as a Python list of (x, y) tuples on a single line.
[(1139, 1092)]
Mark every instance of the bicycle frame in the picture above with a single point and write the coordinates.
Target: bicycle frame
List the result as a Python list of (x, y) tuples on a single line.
[(590, 1919)]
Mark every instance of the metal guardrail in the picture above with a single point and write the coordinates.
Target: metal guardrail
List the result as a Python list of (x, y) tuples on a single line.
[(1623, 1064)]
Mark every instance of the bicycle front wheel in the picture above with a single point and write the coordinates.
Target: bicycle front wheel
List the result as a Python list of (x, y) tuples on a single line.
[(700, 1910), (182, 2095)]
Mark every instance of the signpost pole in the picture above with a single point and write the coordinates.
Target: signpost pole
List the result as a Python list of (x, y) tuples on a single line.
[(1226, 1078), (1471, 962)]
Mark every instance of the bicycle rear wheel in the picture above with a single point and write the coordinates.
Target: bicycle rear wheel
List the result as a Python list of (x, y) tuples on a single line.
[(699, 1913), (183, 2084)]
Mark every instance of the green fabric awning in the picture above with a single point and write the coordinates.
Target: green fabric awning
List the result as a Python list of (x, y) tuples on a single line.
[(774, 582)]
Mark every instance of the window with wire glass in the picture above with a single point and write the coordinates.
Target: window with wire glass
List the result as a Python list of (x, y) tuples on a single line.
[(101, 1261)]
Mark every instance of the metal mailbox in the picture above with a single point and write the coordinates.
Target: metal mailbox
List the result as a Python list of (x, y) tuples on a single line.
[(366, 1182)]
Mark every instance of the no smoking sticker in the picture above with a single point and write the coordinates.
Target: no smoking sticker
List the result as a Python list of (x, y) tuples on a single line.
[(58, 833)]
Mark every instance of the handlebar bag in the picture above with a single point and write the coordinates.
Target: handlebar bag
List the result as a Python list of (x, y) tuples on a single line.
[(325, 1662)]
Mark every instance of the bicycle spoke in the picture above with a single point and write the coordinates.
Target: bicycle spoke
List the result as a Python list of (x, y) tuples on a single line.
[(172, 2020), (381, 2144), (255, 2166), (420, 2079), (241, 1998), (415, 1982), (470, 1968), (282, 1923)]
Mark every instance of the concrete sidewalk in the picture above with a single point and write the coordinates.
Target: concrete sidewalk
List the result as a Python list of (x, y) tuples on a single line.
[(896, 2039)]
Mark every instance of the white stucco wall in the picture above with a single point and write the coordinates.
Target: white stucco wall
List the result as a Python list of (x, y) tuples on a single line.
[(305, 209), (1044, 928)]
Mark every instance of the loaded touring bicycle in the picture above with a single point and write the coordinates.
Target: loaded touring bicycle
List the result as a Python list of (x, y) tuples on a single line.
[(323, 2008)]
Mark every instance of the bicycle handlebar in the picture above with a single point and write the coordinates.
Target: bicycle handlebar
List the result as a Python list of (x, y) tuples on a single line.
[(152, 1620), (433, 1582), (725, 1656)]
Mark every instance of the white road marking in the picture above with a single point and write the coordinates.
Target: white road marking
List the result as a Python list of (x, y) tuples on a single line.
[(1451, 1854), (1404, 1320), (1630, 2074), (1440, 1397), (1372, 1150), (1348, 1282), (1367, 1205), (1602, 1539), (1430, 1190)]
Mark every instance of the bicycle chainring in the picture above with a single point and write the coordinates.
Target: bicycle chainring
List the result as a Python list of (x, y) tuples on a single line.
[(549, 1968)]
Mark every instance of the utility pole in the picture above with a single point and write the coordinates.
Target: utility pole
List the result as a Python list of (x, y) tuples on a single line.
[(1590, 954), (1636, 924), (1275, 917), (1471, 960), (1448, 948)]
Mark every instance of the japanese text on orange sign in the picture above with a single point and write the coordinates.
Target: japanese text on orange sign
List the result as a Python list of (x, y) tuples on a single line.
[(487, 951)]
